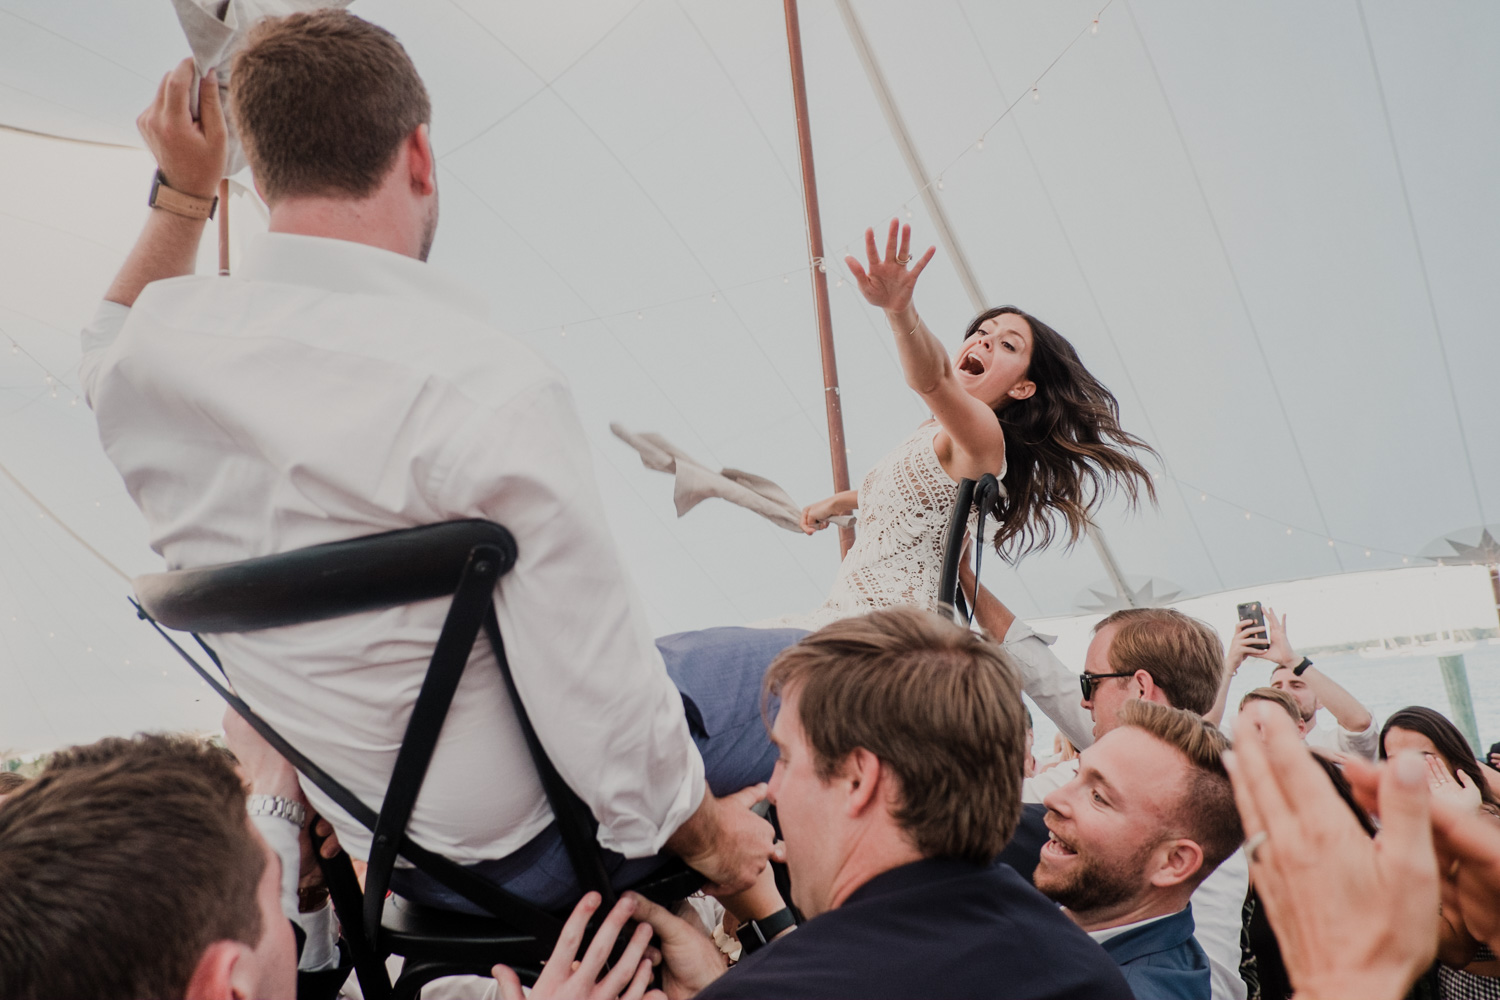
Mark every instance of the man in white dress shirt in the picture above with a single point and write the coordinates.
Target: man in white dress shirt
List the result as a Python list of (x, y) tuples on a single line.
[(1151, 654), (336, 386)]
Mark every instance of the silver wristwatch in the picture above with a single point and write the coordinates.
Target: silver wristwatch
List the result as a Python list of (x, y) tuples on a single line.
[(274, 805)]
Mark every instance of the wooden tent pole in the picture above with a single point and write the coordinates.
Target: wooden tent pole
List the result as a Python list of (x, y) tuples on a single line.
[(835, 410), (224, 226)]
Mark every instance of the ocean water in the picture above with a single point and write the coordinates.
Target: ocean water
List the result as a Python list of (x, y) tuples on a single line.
[(1383, 684)]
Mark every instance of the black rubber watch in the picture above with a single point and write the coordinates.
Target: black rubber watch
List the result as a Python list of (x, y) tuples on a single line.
[(1297, 670), (756, 934)]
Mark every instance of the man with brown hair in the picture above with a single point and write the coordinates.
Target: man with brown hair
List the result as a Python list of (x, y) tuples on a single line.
[(1157, 655), (130, 868), (900, 738), (336, 386), (1150, 815)]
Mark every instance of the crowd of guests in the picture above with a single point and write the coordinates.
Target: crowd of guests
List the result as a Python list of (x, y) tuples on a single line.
[(863, 800)]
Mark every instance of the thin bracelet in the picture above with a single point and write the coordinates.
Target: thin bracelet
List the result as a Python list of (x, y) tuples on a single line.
[(917, 327)]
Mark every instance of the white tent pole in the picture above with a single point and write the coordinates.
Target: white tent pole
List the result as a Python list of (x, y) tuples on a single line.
[(946, 237)]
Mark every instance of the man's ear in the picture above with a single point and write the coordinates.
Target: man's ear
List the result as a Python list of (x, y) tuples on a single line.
[(867, 781), (1176, 861), (1149, 689), (213, 976), (1022, 390), (420, 161)]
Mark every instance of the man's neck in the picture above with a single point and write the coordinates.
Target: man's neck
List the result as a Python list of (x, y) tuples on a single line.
[(870, 857), (1147, 907), (366, 221)]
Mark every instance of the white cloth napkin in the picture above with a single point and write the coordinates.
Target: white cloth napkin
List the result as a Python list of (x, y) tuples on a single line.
[(215, 29), (696, 482)]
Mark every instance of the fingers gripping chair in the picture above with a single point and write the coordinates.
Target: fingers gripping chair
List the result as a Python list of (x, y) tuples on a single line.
[(985, 494), (463, 559)]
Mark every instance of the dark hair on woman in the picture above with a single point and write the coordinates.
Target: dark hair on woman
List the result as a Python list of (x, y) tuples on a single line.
[(1064, 447), (1449, 741)]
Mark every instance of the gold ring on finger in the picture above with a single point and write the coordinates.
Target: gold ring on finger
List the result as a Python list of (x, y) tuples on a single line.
[(903, 259), (1254, 844)]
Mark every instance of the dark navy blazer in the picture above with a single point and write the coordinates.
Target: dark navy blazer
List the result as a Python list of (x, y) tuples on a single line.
[(1161, 961), (935, 929)]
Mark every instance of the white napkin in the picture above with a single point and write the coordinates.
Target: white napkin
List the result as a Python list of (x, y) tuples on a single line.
[(696, 482), (215, 29)]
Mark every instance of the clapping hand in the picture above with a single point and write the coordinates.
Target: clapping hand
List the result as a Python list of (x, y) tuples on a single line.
[(1354, 916), (888, 284)]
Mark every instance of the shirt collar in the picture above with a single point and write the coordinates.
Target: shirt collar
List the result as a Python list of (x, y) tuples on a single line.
[(915, 873), (354, 268), (1105, 933)]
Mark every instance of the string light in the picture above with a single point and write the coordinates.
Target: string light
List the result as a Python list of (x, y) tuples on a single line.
[(1330, 543), (1367, 553), (908, 211), (1203, 496), (1247, 515), (640, 316), (840, 283), (1094, 28), (1036, 95), (940, 183), (15, 348), (715, 296), (1289, 531), (785, 279), (563, 332), (979, 144)]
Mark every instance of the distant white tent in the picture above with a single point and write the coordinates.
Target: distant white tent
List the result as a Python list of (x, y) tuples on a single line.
[(1268, 227)]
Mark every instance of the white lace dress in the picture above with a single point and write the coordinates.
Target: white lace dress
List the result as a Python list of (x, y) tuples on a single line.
[(905, 503)]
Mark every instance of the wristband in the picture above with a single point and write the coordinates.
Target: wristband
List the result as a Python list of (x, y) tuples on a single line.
[(760, 932), (188, 206), (1297, 670)]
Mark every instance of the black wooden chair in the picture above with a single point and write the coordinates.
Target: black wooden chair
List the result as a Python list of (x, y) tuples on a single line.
[(983, 494), (463, 559)]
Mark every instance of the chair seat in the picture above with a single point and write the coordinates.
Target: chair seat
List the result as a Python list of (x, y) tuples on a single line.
[(411, 929)]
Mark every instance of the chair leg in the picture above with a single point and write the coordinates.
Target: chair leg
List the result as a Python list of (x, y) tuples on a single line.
[(348, 901)]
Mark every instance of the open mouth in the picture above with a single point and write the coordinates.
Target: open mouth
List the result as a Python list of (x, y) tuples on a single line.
[(1057, 846), (972, 365)]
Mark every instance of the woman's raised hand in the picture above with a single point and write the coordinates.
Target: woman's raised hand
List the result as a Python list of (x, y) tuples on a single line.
[(889, 282)]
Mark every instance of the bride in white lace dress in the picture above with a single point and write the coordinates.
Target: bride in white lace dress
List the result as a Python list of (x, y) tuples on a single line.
[(1015, 401)]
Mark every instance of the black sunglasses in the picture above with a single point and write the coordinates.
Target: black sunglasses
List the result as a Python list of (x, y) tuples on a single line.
[(1090, 681)]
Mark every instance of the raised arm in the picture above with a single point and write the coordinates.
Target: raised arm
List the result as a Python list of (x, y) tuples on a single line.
[(190, 155), (1351, 715), (978, 442)]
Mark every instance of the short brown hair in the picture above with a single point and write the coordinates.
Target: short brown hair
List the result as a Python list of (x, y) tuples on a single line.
[(322, 102), (938, 705), (1206, 810), (1278, 697), (1183, 655), (121, 863)]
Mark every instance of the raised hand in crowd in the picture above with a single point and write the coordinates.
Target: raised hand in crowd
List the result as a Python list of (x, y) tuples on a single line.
[(1354, 916), (568, 977), (889, 282)]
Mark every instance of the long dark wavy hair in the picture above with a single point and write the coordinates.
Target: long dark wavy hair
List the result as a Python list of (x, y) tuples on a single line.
[(1450, 742), (1064, 448)]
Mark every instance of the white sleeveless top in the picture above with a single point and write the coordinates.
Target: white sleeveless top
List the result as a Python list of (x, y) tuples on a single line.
[(905, 503)]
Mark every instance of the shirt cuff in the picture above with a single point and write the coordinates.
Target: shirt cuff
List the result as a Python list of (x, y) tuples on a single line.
[(281, 835), (321, 950), (102, 330), (1020, 630), (635, 837)]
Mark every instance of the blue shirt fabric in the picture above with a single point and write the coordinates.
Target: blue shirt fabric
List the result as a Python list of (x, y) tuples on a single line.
[(1161, 961), (937, 929)]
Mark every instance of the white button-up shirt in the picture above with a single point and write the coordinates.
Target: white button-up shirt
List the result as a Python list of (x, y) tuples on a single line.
[(330, 390)]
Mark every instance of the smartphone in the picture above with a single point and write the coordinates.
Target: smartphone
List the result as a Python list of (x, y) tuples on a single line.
[(1253, 611)]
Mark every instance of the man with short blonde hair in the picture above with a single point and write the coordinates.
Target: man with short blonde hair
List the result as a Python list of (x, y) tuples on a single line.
[(1150, 815)]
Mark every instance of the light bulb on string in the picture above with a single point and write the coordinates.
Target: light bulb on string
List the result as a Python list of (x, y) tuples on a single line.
[(940, 184), (1247, 515), (1036, 95), (54, 392), (980, 143), (839, 283), (786, 279), (1330, 543), (1367, 553), (1094, 28), (640, 316), (822, 267), (73, 401), (1202, 496), (1289, 531), (15, 348), (1405, 561), (714, 297), (563, 332)]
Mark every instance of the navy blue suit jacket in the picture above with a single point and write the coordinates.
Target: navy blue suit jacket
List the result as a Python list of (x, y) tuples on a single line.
[(935, 929), (1161, 961)]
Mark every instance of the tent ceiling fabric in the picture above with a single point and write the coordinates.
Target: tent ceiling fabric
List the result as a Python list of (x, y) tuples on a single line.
[(1268, 227)]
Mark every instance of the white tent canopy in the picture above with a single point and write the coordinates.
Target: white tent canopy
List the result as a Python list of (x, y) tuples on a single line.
[(1268, 227)]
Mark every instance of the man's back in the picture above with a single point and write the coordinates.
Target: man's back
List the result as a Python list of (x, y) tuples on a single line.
[(935, 928), (333, 390)]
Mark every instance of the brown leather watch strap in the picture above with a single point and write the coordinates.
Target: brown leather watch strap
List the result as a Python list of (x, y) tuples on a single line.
[(174, 201)]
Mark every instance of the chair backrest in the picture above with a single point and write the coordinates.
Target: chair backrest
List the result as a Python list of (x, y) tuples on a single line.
[(984, 494), (461, 558)]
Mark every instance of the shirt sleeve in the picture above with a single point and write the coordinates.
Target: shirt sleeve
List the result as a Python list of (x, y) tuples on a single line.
[(1049, 682), (96, 338), (576, 636), (1362, 744)]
